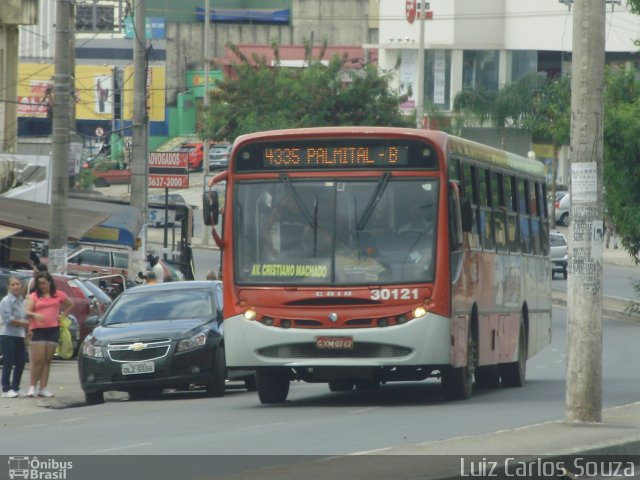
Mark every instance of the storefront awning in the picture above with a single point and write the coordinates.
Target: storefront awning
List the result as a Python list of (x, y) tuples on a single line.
[(8, 231), (87, 221), (122, 226), (36, 217)]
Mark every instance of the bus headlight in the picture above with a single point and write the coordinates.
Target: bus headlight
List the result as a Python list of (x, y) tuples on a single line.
[(250, 314), (419, 312)]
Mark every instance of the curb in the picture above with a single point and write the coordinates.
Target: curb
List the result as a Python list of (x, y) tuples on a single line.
[(611, 307)]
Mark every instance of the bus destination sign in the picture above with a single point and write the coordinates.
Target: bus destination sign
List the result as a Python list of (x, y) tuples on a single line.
[(316, 156), (335, 154)]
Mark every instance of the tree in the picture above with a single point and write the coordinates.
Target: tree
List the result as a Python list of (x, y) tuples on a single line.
[(473, 106), (621, 153), (535, 103), (266, 97)]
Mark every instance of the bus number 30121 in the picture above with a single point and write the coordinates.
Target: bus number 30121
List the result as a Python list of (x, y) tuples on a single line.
[(394, 293)]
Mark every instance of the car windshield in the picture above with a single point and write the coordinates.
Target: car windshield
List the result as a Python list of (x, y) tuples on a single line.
[(144, 306), (557, 241), (328, 232)]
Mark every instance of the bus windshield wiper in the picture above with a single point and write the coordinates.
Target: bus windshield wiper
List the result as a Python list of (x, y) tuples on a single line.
[(373, 201), (296, 197)]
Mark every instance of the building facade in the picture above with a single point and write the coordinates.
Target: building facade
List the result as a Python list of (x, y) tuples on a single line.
[(488, 44)]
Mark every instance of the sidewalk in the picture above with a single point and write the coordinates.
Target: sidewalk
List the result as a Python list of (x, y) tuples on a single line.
[(63, 383)]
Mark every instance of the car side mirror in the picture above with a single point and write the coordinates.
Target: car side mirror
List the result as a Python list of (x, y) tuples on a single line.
[(92, 322)]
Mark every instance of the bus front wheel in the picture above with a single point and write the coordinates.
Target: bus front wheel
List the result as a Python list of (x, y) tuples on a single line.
[(272, 384), (457, 383)]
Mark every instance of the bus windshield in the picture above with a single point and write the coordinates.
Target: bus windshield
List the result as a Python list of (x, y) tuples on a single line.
[(335, 232)]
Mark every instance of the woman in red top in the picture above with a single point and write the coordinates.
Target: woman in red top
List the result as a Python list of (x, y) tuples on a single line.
[(44, 306)]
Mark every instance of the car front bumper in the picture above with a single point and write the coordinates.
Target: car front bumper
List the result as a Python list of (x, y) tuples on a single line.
[(190, 367)]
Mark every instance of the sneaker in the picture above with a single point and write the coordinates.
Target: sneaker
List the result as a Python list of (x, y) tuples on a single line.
[(21, 394), (44, 392), (31, 392), (11, 394)]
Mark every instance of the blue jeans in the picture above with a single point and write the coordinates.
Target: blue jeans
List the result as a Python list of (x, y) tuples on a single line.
[(13, 351)]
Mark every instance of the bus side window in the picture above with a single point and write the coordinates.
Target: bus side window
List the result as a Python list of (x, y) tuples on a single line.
[(485, 211), (523, 211), (454, 170), (536, 247), (470, 205), (511, 203), (455, 229), (499, 211), (542, 219)]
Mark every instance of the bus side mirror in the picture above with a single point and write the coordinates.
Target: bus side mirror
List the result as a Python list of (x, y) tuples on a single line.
[(466, 216), (210, 208)]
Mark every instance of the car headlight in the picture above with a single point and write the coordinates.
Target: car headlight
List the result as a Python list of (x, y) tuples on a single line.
[(92, 351), (190, 343)]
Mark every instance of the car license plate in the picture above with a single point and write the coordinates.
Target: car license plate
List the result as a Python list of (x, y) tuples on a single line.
[(138, 368), (336, 343)]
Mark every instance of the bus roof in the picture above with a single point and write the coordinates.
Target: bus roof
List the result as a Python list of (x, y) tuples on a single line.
[(456, 145)]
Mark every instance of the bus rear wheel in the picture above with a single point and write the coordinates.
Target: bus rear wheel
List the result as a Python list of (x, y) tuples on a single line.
[(272, 384), (457, 383), (513, 374)]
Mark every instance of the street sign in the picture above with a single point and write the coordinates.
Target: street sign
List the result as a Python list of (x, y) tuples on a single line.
[(411, 10), (168, 169)]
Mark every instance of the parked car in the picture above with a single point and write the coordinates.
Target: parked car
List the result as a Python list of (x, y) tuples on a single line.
[(110, 172), (113, 264), (559, 254), (563, 204), (97, 261), (196, 153), (219, 156), (166, 335)]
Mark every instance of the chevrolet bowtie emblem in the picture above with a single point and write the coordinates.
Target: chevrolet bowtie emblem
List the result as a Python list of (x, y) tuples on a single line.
[(136, 347)]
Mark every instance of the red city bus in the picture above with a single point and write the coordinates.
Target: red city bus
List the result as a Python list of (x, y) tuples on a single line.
[(357, 256)]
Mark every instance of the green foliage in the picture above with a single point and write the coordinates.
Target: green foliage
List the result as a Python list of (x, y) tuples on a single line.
[(621, 153), (85, 179), (534, 103), (473, 107), (264, 97)]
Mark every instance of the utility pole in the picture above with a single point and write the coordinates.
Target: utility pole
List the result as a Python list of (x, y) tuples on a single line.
[(420, 86), (584, 301), (139, 157), (60, 137), (205, 140)]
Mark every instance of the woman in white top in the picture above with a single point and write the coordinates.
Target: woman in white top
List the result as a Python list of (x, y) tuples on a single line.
[(13, 327)]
